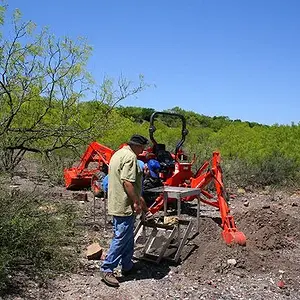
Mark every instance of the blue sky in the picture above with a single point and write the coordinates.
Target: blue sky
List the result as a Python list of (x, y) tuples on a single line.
[(235, 58)]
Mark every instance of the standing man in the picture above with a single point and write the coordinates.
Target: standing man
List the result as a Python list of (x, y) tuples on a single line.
[(124, 201)]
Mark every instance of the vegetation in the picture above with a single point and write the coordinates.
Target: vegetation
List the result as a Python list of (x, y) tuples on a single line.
[(37, 237), (42, 80), (253, 154)]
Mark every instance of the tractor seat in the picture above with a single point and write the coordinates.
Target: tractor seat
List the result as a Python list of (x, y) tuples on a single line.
[(163, 156)]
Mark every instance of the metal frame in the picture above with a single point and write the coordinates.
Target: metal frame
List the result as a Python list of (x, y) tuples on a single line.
[(169, 192), (179, 193), (104, 200), (173, 229)]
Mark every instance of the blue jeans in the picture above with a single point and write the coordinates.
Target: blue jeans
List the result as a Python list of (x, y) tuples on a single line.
[(122, 245)]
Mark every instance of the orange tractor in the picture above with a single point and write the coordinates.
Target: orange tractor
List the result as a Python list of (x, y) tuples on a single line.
[(175, 171)]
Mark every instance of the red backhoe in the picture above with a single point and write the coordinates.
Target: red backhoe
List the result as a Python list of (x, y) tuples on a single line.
[(175, 171)]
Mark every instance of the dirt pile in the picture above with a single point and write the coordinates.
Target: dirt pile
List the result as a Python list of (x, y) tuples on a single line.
[(272, 243)]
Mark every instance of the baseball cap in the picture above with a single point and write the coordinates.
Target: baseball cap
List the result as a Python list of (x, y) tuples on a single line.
[(137, 139), (154, 167)]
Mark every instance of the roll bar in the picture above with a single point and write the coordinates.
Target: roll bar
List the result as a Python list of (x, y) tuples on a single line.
[(152, 128)]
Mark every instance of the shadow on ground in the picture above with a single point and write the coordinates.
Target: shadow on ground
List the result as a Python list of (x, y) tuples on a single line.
[(151, 270), (148, 270)]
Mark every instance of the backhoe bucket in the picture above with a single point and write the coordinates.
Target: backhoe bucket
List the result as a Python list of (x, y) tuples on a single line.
[(236, 237)]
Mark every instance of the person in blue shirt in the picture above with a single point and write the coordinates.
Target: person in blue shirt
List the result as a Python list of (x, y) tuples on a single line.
[(105, 184), (151, 180)]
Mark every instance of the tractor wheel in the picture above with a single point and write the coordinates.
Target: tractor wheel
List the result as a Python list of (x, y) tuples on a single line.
[(96, 184)]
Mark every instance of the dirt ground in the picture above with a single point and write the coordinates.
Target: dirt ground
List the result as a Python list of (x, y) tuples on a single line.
[(268, 267)]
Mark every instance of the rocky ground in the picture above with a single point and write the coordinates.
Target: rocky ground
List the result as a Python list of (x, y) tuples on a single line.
[(268, 267)]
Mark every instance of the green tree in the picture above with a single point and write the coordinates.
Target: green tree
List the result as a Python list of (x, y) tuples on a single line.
[(43, 80)]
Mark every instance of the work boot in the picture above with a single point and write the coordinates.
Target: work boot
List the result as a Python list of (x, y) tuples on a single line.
[(110, 279)]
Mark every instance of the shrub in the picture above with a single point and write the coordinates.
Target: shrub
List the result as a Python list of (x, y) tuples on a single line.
[(237, 172), (52, 167), (274, 169), (36, 237)]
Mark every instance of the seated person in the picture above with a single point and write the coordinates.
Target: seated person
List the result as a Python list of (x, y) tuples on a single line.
[(151, 180)]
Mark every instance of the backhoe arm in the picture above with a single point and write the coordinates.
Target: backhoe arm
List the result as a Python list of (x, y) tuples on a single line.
[(95, 152)]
